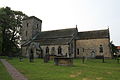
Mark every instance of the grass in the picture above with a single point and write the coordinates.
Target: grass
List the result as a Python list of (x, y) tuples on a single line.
[(91, 70), (4, 75)]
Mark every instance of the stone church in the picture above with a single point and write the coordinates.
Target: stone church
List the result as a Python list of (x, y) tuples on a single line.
[(64, 42)]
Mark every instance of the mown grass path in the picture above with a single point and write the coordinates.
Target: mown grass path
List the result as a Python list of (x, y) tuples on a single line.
[(93, 69), (16, 75), (4, 75)]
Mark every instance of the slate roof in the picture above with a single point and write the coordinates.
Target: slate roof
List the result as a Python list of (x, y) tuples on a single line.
[(26, 43), (97, 34), (63, 36), (29, 41), (59, 41)]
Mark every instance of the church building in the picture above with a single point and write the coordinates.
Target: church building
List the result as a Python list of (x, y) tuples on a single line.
[(64, 42)]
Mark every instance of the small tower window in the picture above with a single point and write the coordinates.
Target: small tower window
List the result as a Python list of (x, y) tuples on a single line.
[(26, 33), (27, 24), (37, 26)]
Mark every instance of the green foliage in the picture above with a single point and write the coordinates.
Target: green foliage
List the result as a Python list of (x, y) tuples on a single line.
[(0, 40), (93, 69), (113, 48), (10, 25)]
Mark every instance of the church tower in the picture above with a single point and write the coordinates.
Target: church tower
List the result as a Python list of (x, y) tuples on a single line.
[(31, 26)]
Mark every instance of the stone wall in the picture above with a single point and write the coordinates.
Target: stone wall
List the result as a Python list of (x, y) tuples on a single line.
[(90, 47), (24, 51), (27, 29), (30, 28), (63, 47)]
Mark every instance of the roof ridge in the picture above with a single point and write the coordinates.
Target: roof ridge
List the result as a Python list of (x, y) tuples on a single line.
[(95, 30), (59, 29)]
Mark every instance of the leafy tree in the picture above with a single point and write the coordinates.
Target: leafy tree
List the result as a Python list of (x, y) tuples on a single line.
[(10, 25), (114, 49), (0, 41)]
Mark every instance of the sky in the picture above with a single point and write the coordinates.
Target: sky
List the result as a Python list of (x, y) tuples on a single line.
[(61, 14)]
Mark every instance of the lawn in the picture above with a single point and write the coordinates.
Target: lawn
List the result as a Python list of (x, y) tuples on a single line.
[(91, 70), (4, 75)]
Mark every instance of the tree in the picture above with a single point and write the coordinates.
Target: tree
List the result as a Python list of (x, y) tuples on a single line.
[(10, 25), (0, 41), (114, 49)]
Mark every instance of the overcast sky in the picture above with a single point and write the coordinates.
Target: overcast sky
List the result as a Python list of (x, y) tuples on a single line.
[(60, 14)]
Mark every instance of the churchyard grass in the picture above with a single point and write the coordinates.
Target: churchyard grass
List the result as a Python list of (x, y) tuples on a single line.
[(90, 70), (4, 75)]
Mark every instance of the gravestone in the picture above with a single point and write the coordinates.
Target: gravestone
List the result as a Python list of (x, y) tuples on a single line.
[(31, 56), (63, 61), (52, 57)]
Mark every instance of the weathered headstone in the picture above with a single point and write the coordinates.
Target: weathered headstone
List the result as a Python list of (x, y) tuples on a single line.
[(31, 57), (51, 57), (63, 61)]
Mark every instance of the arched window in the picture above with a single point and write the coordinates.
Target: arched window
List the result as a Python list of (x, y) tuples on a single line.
[(59, 50), (47, 49), (77, 51), (101, 49)]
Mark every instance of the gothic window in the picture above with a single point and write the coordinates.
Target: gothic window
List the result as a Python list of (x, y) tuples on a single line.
[(101, 49), (53, 50), (59, 50), (77, 51), (47, 49)]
